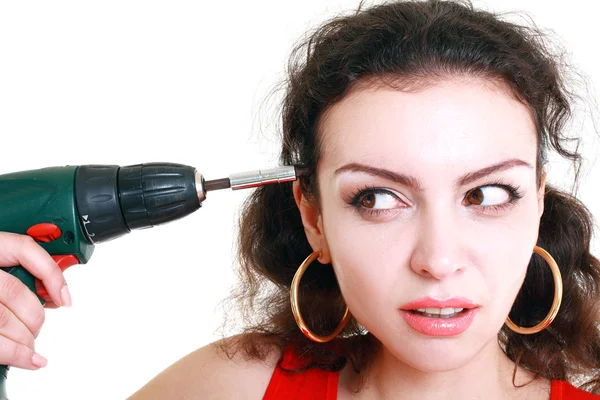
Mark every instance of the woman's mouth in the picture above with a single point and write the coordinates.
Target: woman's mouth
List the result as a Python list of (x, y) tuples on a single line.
[(448, 312), (439, 318)]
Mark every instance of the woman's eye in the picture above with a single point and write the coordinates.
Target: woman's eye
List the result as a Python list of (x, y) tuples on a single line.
[(491, 198), (486, 196), (378, 200)]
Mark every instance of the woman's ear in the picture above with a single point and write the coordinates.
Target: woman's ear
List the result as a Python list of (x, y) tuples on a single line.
[(541, 193), (313, 224)]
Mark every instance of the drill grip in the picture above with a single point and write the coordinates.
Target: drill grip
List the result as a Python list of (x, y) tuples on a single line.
[(29, 280), (24, 276), (36, 286)]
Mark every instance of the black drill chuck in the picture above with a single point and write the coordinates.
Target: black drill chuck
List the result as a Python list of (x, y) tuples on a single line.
[(113, 200)]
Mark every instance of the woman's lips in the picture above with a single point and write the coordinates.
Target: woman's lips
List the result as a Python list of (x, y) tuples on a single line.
[(440, 327), (428, 302)]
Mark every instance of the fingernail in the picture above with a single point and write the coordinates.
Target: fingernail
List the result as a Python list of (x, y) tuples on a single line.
[(38, 360), (65, 296)]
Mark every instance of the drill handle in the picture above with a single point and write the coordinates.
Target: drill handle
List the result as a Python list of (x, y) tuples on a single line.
[(24, 276), (34, 284), (29, 280), (37, 287)]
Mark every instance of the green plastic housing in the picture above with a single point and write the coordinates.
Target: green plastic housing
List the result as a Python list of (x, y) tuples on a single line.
[(39, 196)]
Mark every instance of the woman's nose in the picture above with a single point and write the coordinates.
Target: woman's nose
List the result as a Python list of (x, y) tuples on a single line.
[(439, 251)]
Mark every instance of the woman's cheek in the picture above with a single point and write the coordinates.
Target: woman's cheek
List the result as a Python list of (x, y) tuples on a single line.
[(362, 262), (360, 287)]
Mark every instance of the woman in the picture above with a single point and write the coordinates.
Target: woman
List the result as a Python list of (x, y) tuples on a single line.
[(403, 261)]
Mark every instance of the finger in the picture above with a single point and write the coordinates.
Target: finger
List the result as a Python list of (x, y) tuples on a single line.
[(17, 355), (12, 328), (21, 302), (51, 305), (23, 250)]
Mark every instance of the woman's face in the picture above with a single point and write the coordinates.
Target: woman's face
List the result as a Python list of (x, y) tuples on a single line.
[(429, 198)]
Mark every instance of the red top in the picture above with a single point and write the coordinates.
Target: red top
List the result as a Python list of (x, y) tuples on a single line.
[(317, 384)]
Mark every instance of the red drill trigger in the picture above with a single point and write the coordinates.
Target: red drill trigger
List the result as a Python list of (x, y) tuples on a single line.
[(64, 261), (44, 232)]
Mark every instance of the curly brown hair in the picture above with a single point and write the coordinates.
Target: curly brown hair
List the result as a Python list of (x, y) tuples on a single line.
[(419, 41)]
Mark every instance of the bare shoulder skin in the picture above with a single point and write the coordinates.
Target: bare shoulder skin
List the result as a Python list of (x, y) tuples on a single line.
[(208, 373)]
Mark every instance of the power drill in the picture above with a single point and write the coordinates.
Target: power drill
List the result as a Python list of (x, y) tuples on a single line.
[(69, 209)]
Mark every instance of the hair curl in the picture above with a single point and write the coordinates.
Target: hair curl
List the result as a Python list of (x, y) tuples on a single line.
[(419, 42)]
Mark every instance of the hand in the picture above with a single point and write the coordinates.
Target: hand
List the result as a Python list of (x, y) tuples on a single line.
[(21, 313)]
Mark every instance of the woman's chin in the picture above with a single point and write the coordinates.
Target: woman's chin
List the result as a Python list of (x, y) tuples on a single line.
[(436, 354)]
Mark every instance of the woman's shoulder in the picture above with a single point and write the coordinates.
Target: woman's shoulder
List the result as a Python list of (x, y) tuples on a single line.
[(220, 370)]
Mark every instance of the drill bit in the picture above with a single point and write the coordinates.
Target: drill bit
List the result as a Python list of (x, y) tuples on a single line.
[(256, 178)]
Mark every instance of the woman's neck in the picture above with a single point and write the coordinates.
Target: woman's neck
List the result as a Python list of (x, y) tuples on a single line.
[(488, 375)]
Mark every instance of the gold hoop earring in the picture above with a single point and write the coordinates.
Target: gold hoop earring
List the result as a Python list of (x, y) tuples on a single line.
[(296, 304), (558, 291)]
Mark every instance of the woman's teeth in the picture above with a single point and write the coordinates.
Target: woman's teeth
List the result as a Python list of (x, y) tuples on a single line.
[(439, 312)]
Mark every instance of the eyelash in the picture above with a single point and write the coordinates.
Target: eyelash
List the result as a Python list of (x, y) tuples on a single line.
[(354, 199)]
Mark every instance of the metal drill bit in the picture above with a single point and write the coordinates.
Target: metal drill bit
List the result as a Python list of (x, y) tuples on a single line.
[(256, 178), (217, 184)]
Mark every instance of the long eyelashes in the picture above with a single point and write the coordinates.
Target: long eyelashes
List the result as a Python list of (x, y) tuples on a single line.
[(355, 199)]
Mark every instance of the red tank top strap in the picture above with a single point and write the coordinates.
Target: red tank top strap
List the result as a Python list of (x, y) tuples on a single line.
[(316, 384), (313, 383), (562, 390)]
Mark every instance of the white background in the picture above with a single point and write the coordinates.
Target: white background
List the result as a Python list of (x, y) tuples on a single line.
[(86, 82)]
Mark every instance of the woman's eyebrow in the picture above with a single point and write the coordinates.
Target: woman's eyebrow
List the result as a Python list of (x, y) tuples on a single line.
[(413, 183)]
